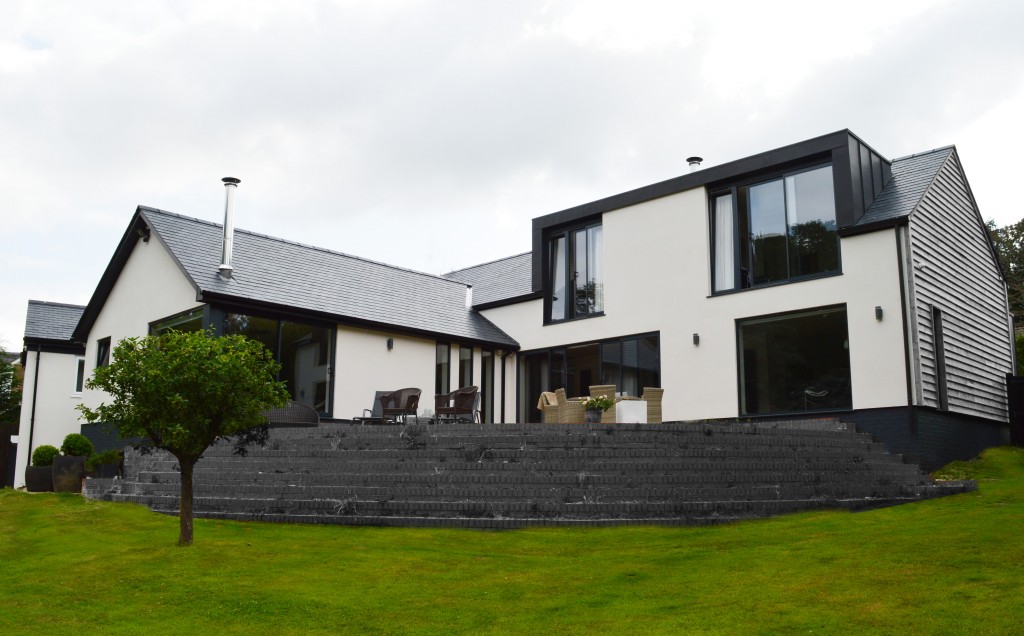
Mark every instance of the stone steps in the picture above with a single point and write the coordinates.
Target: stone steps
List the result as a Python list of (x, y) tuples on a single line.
[(473, 475)]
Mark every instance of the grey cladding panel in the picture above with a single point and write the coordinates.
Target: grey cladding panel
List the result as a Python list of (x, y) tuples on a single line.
[(954, 269)]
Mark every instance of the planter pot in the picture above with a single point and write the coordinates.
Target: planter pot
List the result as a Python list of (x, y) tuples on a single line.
[(39, 479), (68, 471), (593, 416)]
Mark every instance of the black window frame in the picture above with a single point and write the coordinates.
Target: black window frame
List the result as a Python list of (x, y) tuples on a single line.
[(103, 352), (741, 387), (442, 379), (732, 191), (568, 233)]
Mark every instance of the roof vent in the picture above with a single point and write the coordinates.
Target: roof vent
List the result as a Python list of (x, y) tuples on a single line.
[(694, 163), (469, 296), (230, 185)]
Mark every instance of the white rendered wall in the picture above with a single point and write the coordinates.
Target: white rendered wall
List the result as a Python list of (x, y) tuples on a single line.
[(363, 365), (657, 278), (150, 287), (56, 399)]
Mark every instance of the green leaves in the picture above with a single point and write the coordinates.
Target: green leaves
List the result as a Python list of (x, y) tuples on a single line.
[(185, 391)]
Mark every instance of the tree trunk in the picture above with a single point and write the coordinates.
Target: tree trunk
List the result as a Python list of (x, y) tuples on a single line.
[(185, 502)]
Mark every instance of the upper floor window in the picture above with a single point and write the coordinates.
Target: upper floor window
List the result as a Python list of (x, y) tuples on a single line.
[(102, 352), (576, 273), (775, 231)]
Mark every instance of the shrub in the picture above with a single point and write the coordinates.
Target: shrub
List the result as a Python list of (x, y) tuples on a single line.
[(77, 444), (112, 456), (43, 455)]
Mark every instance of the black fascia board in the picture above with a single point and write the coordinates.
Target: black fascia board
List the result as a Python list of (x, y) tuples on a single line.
[(138, 227), (508, 301), (234, 303), (109, 277), (771, 160), (50, 345), (884, 224)]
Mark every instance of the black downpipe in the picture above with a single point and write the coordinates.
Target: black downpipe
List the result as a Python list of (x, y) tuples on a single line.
[(32, 418), (503, 389)]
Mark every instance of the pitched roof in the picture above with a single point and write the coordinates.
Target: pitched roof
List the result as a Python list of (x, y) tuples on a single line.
[(497, 281), (293, 276), (51, 321), (911, 177)]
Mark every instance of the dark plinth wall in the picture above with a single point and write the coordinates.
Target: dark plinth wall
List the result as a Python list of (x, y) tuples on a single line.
[(929, 437)]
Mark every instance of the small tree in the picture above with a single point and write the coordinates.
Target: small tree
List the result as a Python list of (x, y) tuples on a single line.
[(10, 392), (185, 391)]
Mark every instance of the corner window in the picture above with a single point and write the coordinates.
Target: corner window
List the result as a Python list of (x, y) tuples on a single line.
[(795, 362), (303, 350), (775, 231), (575, 273), (102, 352), (188, 321), (79, 375)]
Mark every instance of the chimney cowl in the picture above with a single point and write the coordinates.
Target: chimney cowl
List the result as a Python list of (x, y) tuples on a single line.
[(228, 244), (694, 163)]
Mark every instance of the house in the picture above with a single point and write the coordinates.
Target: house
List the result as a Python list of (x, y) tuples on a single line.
[(815, 278), (54, 380)]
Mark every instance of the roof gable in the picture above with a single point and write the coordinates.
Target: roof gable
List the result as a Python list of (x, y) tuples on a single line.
[(911, 178), (302, 279)]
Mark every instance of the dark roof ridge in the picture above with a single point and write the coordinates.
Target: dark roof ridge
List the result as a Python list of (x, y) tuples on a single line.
[(55, 304), (297, 244), (925, 152), (497, 260)]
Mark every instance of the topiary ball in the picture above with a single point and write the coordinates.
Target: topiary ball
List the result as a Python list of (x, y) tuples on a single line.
[(77, 444), (43, 455)]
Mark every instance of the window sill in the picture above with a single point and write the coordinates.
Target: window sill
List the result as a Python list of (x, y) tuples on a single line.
[(791, 281), (565, 320)]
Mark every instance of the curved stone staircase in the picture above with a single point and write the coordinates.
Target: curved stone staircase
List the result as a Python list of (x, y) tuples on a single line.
[(516, 475)]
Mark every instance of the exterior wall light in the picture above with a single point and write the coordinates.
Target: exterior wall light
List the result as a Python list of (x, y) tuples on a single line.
[(391, 344), (696, 339), (878, 313)]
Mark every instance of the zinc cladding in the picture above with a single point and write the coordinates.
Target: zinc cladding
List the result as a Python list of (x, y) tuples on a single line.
[(911, 177), (51, 321), (497, 281), (313, 280)]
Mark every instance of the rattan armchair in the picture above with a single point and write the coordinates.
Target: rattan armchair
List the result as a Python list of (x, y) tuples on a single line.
[(653, 397), (400, 404), (450, 406), (548, 406), (607, 390)]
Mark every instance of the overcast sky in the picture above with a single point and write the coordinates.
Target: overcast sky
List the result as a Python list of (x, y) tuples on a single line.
[(429, 133)]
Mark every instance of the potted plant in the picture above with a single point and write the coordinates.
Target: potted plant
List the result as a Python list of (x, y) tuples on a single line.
[(105, 465), (69, 468), (39, 476), (595, 405)]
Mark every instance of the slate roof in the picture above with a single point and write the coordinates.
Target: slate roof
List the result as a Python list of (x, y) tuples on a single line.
[(285, 274), (911, 177), (501, 280), (51, 321)]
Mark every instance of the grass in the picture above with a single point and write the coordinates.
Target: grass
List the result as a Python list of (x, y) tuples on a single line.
[(949, 566)]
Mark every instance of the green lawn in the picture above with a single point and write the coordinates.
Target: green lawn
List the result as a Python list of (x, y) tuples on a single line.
[(949, 566)]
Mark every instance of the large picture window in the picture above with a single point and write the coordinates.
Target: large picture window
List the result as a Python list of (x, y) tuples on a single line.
[(795, 362), (775, 231), (303, 350), (575, 273)]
